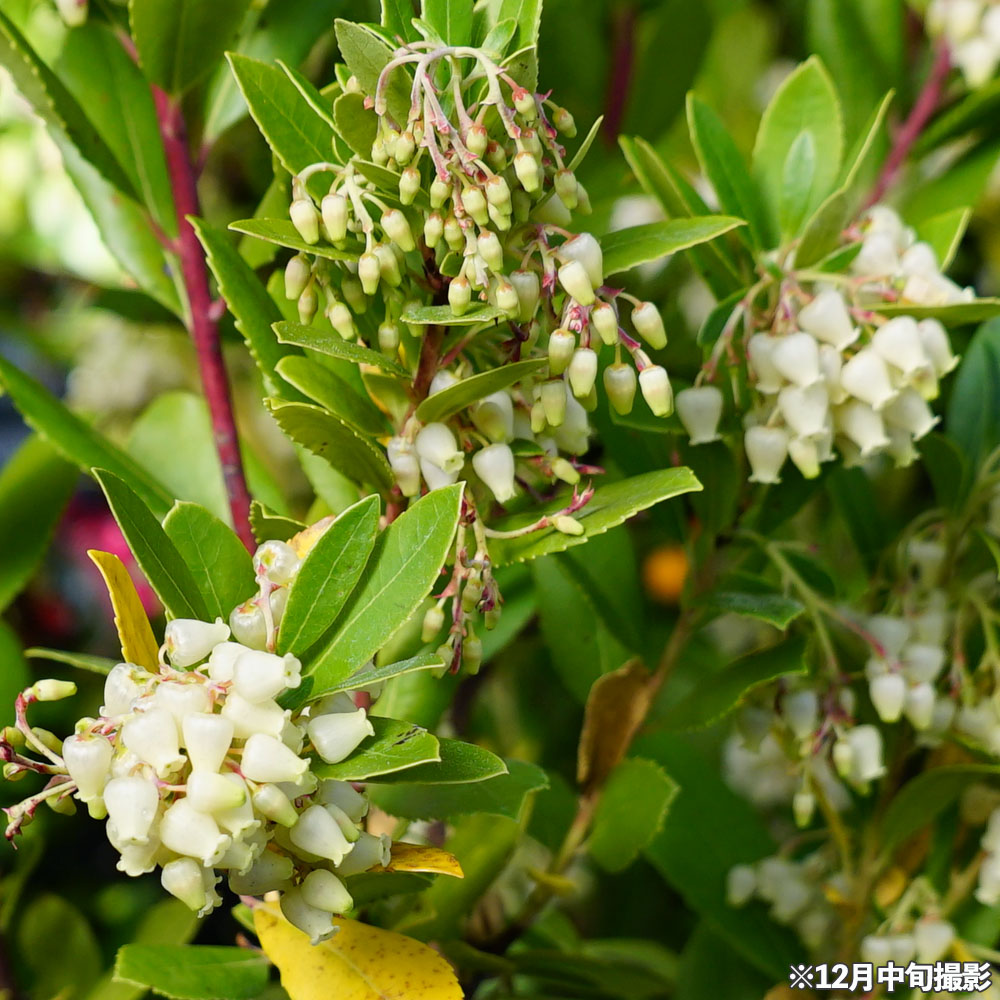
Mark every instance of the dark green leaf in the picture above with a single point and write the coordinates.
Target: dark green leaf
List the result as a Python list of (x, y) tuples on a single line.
[(478, 312), (855, 500), (460, 764), (775, 609), (974, 409), (366, 54), (396, 18), (282, 233), (327, 576), (394, 747), (369, 676), (194, 972), (335, 345), (947, 467), (823, 230), (332, 393), (457, 397), (627, 248), (14, 676), (266, 524), (356, 124)]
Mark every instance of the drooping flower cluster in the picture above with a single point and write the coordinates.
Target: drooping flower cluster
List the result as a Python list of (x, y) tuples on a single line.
[(829, 371), (971, 29)]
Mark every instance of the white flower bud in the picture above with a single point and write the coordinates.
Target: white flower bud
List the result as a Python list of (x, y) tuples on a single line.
[(194, 834), (405, 465), (249, 717), (270, 801), (239, 821), (891, 632), (369, 272), (700, 410), (553, 396), (440, 192), (866, 753), (655, 385), (341, 320), (221, 661), (568, 525), (494, 416), (527, 171), (766, 448), (124, 684), (919, 259), (489, 248), (182, 699), (50, 689), (336, 736), (317, 924), (582, 371), (620, 385), (584, 248), (270, 872), (189, 641), (325, 891), (977, 58), (741, 884), (888, 695), (131, 803), (919, 707), (936, 345), (211, 792), (319, 833), (574, 279), (898, 342), (88, 760), (152, 736), (528, 288), (883, 219), (474, 204), (343, 795), (760, 354), (459, 295), (649, 325), (494, 465), (909, 411), (260, 677), (305, 218), (561, 347), (436, 443), (805, 409), (827, 319), (183, 878), (878, 257), (801, 711), (862, 425), (334, 209), (796, 357), (397, 229), (805, 456), (266, 758), (803, 807), (276, 560), (368, 851), (933, 938), (604, 319), (436, 477), (307, 305)]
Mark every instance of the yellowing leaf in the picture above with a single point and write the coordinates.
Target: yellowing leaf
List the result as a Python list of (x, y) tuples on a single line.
[(136, 634), (417, 858), (358, 963), (304, 541)]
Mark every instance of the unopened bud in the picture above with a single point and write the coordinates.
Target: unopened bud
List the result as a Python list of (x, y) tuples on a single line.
[(14, 772), (620, 385), (567, 525), (553, 396), (489, 248), (409, 185), (496, 158), (528, 172), (562, 344), (53, 690), (582, 371), (404, 148), (573, 277), (396, 227), (525, 104), (564, 121), (477, 139), (472, 653), (388, 265), (494, 465), (433, 623), (341, 320), (564, 470), (474, 205), (565, 185), (453, 234), (334, 209), (307, 305), (353, 292), (297, 272), (388, 338), (73, 12), (655, 386), (498, 193), (440, 192), (528, 288), (605, 322), (649, 325), (12, 737), (507, 299), (369, 272), (803, 807), (305, 218), (433, 229), (459, 295)]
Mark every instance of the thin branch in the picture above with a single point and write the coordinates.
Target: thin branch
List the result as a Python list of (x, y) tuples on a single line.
[(201, 316), (619, 84)]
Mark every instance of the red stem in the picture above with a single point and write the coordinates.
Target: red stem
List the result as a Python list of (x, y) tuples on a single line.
[(920, 114), (202, 317), (623, 53)]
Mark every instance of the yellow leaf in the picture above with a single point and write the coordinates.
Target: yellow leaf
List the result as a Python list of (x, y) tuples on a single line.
[(417, 858), (358, 963), (304, 541), (136, 634)]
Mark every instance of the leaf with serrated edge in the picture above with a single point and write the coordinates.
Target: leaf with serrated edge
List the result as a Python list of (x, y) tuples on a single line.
[(335, 346), (193, 972), (367, 675), (139, 645), (450, 401), (460, 764), (267, 525), (396, 745), (627, 248), (775, 609), (478, 312), (317, 383), (366, 54), (284, 234)]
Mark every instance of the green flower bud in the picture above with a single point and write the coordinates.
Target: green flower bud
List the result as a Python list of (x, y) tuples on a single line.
[(14, 772), (395, 226), (63, 806), (528, 287), (459, 295), (409, 185), (388, 265), (404, 148), (649, 325), (525, 104), (499, 218), (531, 142), (46, 738), (453, 234), (565, 185), (308, 304), (568, 525), (573, 277), (472, 593), (496, 157), (620, 385), (474, 205), (498, 193), (472, 653), (528, 172), (433, 623), (656, 390), (341, 320), (297, 272), (369, 272), (554, 402), (605, 322), (562, 344), (491, 618), (582, 372), (538, 421), (379, 153), (433, 229), (440, 192), (388, 337), (305, 218), (507, 299), (564, 121), (355, 294), (521, 201), (12, 736), (564, 470), (477, 139), (335, 214), (488, 245)]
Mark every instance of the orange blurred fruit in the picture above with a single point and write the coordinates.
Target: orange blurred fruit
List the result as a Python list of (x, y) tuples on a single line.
[(664, 572)]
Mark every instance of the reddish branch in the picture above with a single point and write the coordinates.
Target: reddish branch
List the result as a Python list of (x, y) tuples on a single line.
[(202, 317), (925, 105), (622, 58)]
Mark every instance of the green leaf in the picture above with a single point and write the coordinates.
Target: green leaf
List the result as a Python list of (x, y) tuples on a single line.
[(451, 18), (266, 524), (317, 382), (775, 609), (56, 105), (630, 812), (962, 184), (527, 14), (194, 972), (460, 764), (724, 167), (855, 500), (218, 560), (958, 314), (710, 968), (720, 693), (627, 248), (327, 576), (15, 675), (326, 435), (297, 135), (457, 397), (944, 233), (971, 112), (396, 18), (805, 104), (35, 486), (366, 54), (319, 102), (478, 312), (610, 506), (406, 564), (502, 795), (973, 418), (157, 556), (76, 441), (82, 661), (336, 347), (356, 124), (923, 798), (394, 747), (50, 919), (252, 308), (282, 233), (180, 41), (822, 232), (369, 675), (947, 467)]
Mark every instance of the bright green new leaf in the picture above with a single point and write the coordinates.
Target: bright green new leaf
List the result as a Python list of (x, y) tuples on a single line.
[(366, 54), (944, 233), (627, 248), (355, 124), (478, 312), (318, 383), (457, 397), (193, 972), (394, 747), (451, 18), (460, 764), (956, 314), (82, 661)]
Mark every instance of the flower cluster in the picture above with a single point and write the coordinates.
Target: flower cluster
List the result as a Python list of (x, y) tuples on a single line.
[(829, 372), (971, 29)]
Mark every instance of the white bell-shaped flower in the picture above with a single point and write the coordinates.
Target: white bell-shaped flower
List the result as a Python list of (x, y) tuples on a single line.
[(909, 411), (885, 219), (862, 425), (270, 801), (585, 248), (922, 662), (345, 797), (898, 343), (741, 884), (207, 739), (368, 852), (211, 792), (805, 456), (319, 833), (876, 950), (494, 416), (831, 362), (934, 938), (494, 465), (182, 698), (827, 319), (405, 465), (88, 760), (239, 821), (866, 377), (700, 410), (866, 753), (250, 717), (317, 924), (891, 632), (801, 711), (796, 356), (136, 859), (888, 695), (436, 443), (270, 872), (878, 256), (183, 879), (260, 677), (325, 891), (937, 346), (919, 706), (573, 433), (221, 661), (900, 448), (189, 641), (977, 58), (919, 259), (266, 758), (132, 804), (575, 280), (336, 736), (152, 735), (767, 449), (194, 834), (124, 684), (931, 290), (276, 560), (436, 477), (248, 625), (804, 409), (760, 353)]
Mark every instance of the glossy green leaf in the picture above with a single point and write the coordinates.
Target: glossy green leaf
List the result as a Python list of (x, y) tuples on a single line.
[(796, 174), (944, 233), (266, 524), (973, 418), (326, 435), (217, 559), (327, 576), (14, 675), (369, 675), (957, 314), (35, 486), (313, 97), (527, 14), (282, 233), (157, 556), (194, 972), (855, 500), (179, 41), (451, 18), (823, 231), (478, 312), (318, 383), (502, 795), (627, 248), (610, 505), (630, 812), (76, 441), (82, 661), (366, 54), (405, 566), (718, 694), (336, 347), (394, 747), (460, 764), (457, 397), (775, 609), (962, 184), (396, 18)]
